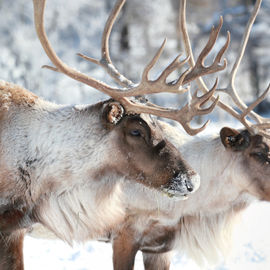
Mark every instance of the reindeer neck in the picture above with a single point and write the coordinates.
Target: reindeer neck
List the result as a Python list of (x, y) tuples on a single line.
[(43, 143), (221, 176), (51, 155)]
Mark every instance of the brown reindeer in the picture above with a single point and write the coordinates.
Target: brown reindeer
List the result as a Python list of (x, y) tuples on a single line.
[(56, 160), (234, 169)]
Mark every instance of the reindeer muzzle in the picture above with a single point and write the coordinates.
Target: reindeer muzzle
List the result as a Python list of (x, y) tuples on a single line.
[(181, 185)]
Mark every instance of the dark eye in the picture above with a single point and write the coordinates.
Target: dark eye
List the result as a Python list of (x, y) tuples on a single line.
[(261, 157), (232, 139), (135, 132)]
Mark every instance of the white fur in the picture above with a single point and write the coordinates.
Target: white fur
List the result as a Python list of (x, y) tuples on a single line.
[(62, 148), (209, 216), (77, 215), (58, 159), (206, 220)]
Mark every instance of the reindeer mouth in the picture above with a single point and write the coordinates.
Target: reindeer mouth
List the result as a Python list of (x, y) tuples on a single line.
[(172, 194), (181, 185)]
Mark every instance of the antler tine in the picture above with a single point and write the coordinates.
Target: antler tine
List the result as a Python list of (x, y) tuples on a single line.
[(184, 115), (198, 70), (250, 108), (259, 129), (211, 41), (153, 61), (175, 64), (230, 89), (39, 7), (187, 45), (199, 66), (105, 60), (146, 86), (206, 97), (107, 64), (116, 93), (159, 86)]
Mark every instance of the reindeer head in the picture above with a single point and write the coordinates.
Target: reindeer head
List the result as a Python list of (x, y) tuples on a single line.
[(253, 150), (141, 153), (251, 144)]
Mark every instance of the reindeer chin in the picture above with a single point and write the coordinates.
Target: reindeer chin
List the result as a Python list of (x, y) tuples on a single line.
[(174, 195), (177, 197)]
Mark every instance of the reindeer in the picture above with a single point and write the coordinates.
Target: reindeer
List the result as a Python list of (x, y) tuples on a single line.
[(238, 174), (56, 160)]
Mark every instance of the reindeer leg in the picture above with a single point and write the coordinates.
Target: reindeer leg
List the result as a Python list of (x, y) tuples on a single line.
[(124, 251), (11, 250), (157, 261)]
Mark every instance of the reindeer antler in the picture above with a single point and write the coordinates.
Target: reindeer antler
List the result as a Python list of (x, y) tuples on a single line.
[(146, 86), (246, 111)]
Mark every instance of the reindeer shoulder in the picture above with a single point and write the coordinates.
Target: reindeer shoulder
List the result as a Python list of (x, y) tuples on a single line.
[(12, 94)]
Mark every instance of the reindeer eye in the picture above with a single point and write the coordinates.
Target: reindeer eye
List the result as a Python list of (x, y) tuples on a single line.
[(261, 157), (232, 139), (135, 132)]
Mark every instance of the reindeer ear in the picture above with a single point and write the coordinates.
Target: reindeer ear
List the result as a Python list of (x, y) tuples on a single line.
[(113, 112), (233, 139)]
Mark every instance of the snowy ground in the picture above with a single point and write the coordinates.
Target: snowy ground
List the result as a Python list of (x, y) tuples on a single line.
[(253, 252)]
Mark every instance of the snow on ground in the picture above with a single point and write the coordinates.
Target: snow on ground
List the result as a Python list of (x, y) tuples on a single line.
[(253, 252)]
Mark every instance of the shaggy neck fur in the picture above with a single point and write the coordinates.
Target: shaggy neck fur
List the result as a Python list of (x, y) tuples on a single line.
[(204, 223), (208, 217), (52, 157)]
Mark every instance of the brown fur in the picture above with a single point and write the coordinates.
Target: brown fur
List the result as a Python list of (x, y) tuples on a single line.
[(156, 261), (11, 218), (141, 151), (155, 239), (124, 248), (11, 251), (13, 94)]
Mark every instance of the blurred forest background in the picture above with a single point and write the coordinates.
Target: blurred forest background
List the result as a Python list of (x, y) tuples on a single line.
[(76, 26)]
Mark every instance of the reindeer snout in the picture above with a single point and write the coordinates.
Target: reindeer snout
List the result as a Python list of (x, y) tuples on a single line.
[(182, 184), (193, 183)]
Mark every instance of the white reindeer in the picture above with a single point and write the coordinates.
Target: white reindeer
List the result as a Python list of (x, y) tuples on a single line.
[(63, 166)]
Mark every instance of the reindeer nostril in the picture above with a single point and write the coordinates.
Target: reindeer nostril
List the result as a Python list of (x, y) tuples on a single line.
[(160, 146), (189, 186)]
